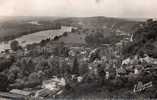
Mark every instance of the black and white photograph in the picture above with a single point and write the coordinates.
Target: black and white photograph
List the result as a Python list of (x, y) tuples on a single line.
[(78, 49)]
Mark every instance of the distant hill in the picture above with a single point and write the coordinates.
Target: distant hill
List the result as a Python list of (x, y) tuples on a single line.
[(13, 27), (125, 25), (109, 27)]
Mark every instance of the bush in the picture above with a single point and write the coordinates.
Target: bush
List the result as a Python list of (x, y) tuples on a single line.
[(14, 45), (65, 34)]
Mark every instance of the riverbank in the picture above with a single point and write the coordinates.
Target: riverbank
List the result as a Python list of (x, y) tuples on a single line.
[(36, 37)]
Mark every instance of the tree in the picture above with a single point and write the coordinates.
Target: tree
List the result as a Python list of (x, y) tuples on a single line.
[(14, 45), (54, 65), (27, 65), (61, 50), (13, 73), (4, 82), (34, 76), (75, 67), (96, 38), (6, 63), (83, 68)]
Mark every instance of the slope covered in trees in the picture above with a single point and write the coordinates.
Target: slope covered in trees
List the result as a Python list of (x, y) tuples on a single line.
[(144, 40)]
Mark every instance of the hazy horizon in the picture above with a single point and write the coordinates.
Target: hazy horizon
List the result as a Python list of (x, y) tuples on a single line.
[(80, 8)]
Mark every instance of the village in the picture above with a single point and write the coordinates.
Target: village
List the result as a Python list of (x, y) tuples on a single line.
[(59, 70)]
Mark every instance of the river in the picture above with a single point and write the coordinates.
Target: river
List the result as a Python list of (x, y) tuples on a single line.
[(36, 37)]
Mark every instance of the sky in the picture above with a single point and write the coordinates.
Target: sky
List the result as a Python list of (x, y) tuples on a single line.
[(79, 8)]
